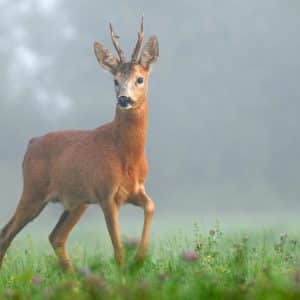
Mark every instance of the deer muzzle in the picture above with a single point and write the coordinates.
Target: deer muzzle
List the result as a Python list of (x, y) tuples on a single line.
[(125, 102)]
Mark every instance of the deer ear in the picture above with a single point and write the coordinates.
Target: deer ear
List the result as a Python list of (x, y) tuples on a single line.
[(105, 58), (150, 52)]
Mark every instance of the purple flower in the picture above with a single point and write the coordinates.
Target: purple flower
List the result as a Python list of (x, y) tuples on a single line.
[(189, 255), (9, 292), (130, 242), (37, 280), (91, 279), (85, 271)]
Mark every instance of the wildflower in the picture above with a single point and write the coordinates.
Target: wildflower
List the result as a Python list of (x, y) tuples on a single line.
[(9, 292), (130, 242), (189, 256), (283, 236), (92, 280), (212, 232), (208, 258), (85, 271), (37, 280)]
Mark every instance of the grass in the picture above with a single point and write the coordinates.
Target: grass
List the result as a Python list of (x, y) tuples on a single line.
[(204, 265)]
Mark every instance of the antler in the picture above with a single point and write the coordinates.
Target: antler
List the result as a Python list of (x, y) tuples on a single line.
[(138, 45), (116, 44)]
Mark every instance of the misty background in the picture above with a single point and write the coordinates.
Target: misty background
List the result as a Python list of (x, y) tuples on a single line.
[(223, 137)]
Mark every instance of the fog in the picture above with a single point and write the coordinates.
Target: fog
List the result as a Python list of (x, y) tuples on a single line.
[(223, 138)]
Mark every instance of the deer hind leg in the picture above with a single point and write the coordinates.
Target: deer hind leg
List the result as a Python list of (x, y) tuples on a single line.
[(26, 211), (144, 201), (60, 233)]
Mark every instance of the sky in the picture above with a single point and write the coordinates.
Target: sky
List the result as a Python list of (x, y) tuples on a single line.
[(223, 138)]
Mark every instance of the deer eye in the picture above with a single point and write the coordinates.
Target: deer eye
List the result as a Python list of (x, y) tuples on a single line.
[(140, 80), (116, 82)]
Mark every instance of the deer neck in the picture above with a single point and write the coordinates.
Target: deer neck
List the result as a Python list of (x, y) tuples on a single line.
[(130, 132)]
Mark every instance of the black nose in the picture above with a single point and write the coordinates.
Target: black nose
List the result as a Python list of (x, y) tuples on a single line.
[(124, 101)]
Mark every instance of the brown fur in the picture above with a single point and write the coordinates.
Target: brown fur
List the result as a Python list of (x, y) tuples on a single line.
[(106, 165)]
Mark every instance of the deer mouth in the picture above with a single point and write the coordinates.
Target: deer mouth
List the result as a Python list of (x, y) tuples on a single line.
[(125, 102)]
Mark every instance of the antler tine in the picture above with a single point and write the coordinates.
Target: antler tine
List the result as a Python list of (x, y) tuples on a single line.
[(116, 44), (139, 42)]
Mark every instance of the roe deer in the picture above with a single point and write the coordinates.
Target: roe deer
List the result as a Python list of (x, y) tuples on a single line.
[(106, 165)]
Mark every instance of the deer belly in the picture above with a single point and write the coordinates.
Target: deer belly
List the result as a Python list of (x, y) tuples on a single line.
[(71, 200), (72, 191)]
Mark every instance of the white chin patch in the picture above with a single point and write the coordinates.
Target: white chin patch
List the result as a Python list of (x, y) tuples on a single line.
[(128, 106)]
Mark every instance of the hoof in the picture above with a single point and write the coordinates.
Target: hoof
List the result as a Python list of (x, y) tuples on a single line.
[(67, 266)]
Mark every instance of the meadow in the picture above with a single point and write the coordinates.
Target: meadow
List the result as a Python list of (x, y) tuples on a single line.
[(211, 264)]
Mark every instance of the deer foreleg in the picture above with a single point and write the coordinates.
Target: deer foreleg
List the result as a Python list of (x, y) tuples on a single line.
[(111, 214), (144, 201)]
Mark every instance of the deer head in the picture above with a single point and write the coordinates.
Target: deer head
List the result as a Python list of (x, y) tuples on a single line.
[(130, 78)]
